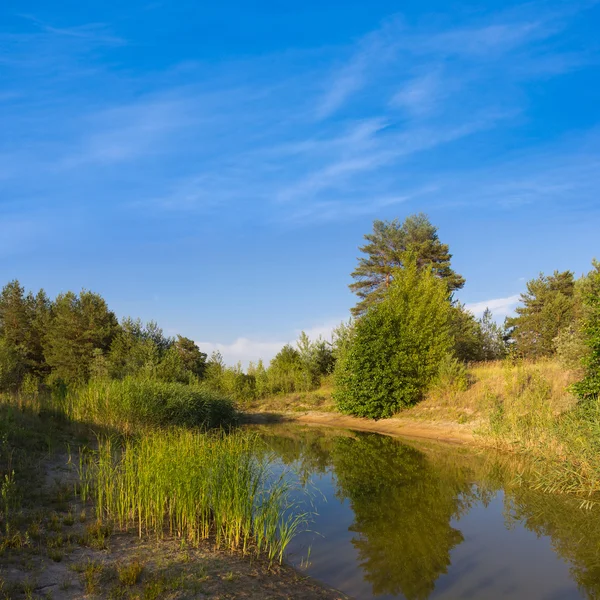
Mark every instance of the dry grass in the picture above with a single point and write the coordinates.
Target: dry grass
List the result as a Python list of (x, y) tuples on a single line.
[(492, 383), (316, 400)]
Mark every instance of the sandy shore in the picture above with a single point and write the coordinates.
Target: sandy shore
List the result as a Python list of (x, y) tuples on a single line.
[(396, 426)]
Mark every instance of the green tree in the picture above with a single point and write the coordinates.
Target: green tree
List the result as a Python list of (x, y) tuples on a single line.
[(385, 253), (547, 307), (79, 325), (22, 322), (467, 335), (134, 349), (589, 386), (397, 346), (493, 345), (286, 370), (192, 358)]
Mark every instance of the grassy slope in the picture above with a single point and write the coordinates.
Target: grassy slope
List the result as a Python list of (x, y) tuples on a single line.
[(490, 382)]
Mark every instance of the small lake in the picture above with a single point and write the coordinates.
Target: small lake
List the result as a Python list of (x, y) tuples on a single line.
[(417, 520)]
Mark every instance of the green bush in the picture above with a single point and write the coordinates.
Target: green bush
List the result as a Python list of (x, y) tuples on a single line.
[(131, 402), (397, 346), (453, 376), (589, 387)]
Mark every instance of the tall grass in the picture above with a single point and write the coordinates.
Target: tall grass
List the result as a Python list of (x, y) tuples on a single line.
[(195, 486), (563, 439), (131, 403)]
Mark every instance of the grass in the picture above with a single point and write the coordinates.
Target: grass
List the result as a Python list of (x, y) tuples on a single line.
[(129, 574), (195, 486), (131, 403), (316, 400)]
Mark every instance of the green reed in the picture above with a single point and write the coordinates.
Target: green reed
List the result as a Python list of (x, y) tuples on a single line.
[(131, 403), (197, 487)]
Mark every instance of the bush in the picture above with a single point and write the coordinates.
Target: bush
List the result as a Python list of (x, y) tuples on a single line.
[(453, 376), (397, 346), (132, 402), (589, 387)]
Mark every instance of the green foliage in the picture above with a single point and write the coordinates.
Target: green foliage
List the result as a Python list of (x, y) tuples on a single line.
[(385, 254), (23, 319), (198, 486), (132, 402), (78, 326), (493, 344), (287, 372), (467, 334), (547, 307), (589, 386), (12, 368), (397, 346), (452, 376), (136, 349)]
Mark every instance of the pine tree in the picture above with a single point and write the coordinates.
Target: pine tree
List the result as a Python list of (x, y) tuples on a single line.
[(79, 325), (23, 319), (385, 251), (547, 307)]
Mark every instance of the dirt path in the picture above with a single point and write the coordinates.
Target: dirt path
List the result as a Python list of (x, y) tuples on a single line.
[(402, 427)]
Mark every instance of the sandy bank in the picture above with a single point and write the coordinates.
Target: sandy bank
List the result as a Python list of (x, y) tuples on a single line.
[(396, 426)]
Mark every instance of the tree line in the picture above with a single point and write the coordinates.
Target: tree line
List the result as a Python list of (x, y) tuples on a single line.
[(406, 329), (67, 341)]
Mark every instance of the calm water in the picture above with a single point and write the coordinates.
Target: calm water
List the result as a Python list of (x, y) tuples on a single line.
[(423, 520)]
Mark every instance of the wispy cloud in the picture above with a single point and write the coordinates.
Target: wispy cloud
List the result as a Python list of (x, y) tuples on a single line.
[(374, 125)]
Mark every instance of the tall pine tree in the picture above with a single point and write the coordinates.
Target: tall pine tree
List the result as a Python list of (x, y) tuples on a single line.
[(385, 251)]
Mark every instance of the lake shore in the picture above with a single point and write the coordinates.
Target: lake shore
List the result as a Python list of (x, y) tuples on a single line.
[(449, 432), (55, 543)]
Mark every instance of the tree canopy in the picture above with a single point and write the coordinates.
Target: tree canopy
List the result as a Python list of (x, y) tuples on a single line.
[(397, 345), (547, 307), (385, 253)]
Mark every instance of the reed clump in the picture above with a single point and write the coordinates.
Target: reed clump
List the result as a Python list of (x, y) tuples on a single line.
[(197, 487), (131, 403)]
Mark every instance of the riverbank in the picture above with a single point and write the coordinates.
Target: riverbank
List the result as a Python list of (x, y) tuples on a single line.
[(518, 407), (397, 426), (53, 544)]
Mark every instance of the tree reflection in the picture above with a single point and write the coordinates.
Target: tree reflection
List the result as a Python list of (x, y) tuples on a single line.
[(403, 508), (404, 500)]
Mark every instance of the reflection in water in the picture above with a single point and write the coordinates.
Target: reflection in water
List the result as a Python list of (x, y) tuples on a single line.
[(413, 506), (404, 533)]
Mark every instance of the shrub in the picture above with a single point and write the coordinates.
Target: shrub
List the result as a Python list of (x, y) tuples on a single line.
[(589, 386), (453, 376), (397, 346)]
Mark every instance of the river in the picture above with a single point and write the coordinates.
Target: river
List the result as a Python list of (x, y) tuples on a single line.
[(417, 520)]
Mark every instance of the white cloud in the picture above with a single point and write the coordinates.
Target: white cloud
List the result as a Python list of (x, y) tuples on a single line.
[(500, 307), (420, 95), (245, 349)]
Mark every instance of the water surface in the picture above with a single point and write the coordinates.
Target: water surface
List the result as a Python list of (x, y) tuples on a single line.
[(422, 520)]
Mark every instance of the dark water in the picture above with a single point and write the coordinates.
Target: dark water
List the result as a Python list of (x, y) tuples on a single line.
[(416, 521)]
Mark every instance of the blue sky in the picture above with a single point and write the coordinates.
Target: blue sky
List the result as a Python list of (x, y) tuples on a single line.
[(214, 166)]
